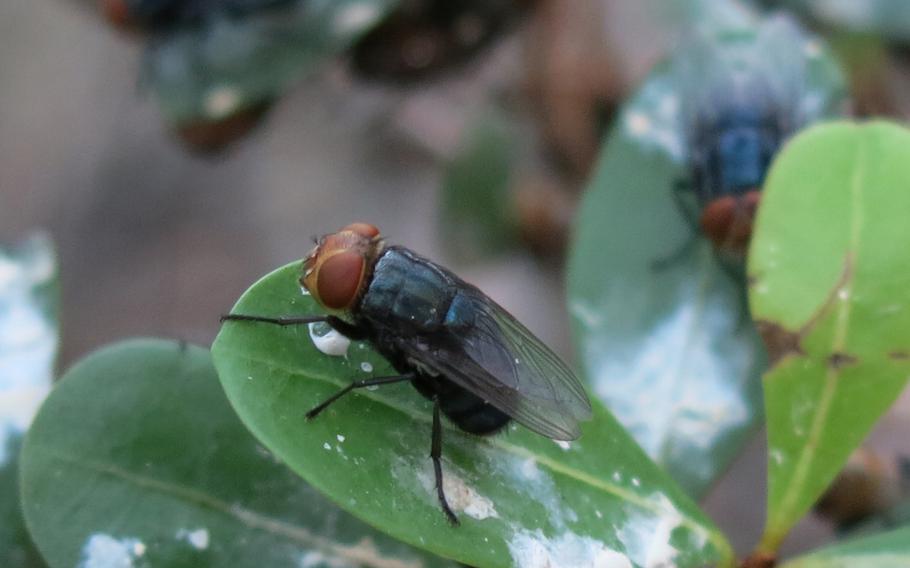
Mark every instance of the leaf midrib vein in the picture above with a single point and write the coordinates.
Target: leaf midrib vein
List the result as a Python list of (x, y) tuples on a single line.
[(247, 517), (809, 451)]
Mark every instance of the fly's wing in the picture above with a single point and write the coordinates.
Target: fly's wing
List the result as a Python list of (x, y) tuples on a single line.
[(488, 352), (771, 65), (658, 116)]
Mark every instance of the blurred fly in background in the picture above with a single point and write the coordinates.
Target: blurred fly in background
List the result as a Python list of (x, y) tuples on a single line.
[(740, 96)]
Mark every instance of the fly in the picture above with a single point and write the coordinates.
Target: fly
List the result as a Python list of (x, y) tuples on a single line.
[(733, 144), (731, 98), (460, 349)]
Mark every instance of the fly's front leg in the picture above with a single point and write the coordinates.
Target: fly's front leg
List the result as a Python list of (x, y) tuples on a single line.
[(358, 385), (680, 187), (436, 455), (346, 329)]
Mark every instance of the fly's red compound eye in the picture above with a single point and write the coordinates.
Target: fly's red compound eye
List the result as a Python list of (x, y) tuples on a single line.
[(338, 279), (728, 221), (335, 271), (717, 219)]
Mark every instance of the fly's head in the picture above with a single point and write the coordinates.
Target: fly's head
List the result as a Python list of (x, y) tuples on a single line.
[(728, 221), (337, 270)]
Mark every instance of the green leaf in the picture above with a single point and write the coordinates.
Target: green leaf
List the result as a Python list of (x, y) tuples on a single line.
[(28, 347), (670, 349), (885, 550), (477, 214), (208, 73), (831, 286), (522, 499), (136, 459), (887, 18)]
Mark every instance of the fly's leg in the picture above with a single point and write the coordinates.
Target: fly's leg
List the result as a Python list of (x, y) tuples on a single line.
[(691, 217), (681, 187), (282, 320), (348, 330), (436, 454), (358, 385)]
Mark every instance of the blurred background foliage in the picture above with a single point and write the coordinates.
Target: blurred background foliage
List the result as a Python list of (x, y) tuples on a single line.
[(438, 126)]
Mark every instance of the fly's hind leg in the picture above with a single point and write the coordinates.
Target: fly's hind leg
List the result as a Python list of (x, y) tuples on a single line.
[(436, 455)]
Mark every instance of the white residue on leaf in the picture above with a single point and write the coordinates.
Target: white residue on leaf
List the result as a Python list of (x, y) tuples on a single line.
[(569, 550), (328, 340), (340, 438), (356, 17), (28, 339), (529, 469), (563, 444), (366, 367), (104, 551), (533, 484), (676, 374), (314, 559), (363, 553), (647, 537), (776, 456), (461, 496), (198, 538), (327, 446), (586, 314)]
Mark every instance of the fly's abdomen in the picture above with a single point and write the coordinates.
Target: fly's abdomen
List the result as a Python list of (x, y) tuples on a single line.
[(468, 411), (407, 293)]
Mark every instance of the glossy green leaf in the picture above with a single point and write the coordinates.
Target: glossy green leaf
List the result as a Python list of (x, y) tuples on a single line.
[(885, 550), (137, 459), (831, 291), (28, 346), (670, 349), (523, 500), (886, 18), (213, 71), (477, 213)]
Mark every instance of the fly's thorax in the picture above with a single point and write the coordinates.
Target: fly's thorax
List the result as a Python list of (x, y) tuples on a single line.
[(407, 293), (338, 270), (744, 156)]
